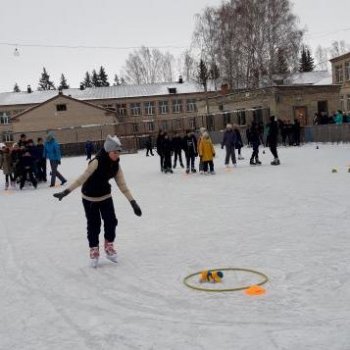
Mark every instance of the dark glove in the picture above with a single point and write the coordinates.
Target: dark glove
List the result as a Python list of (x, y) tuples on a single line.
[(135, 206), (62, 194)]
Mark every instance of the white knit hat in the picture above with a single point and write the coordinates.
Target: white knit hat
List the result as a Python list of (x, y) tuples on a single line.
[(112, 143)]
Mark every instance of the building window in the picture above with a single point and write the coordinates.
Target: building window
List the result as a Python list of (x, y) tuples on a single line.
[(191, 105), (164, 125), (338, 74), (4, 118), (342, 103), (226, 118), (177, 106), (241, 117), (122, 110), (192, 123), (150, 126), (149, 108), (347, 70), (135, 109), (178, 124), (163, 107), (135, 127), (7, 137), (348, 103), (61, 108)]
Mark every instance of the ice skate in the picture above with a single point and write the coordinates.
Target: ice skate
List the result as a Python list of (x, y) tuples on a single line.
[(94, 255), (193, 170), (252, 162), (187, 171), (111, 253), (257, 162), (276, 161)]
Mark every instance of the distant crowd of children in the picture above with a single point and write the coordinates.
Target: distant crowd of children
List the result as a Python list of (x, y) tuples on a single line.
[(25, 162)]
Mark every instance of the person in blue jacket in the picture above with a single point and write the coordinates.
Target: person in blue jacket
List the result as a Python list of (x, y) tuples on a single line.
[(52, 152)]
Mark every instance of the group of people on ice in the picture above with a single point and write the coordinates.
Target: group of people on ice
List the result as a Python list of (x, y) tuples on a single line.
[(26, 161), (170, 149)]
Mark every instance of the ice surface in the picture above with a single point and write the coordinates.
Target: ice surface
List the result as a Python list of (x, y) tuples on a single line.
[(290, 222)]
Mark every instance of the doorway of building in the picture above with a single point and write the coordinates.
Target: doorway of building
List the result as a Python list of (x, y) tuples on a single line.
[(322, 107), (300, 113)]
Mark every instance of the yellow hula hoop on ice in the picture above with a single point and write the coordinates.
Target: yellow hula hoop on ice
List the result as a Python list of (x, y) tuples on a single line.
[(265, 279)]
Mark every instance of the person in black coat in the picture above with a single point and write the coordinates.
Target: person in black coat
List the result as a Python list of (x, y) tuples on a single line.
[(273, 136), (89, 149), (160, 150), (229, 142), (149, 146), (167, 152), (26, 165), (255, 142), (239, 142), (191, 152), (177, 147)]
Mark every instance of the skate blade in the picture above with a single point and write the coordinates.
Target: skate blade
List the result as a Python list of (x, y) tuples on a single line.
[(112, 258), (94, 263)]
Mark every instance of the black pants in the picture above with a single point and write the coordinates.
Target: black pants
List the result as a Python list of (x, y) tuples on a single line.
[(209, 163), (93, 212), (149, 150), (255, 154), (177, 154), (230, 153), (25, 174), (190, 162), (41, 168), (273, 148)]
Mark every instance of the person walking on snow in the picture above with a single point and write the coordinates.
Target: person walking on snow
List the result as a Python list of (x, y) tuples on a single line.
[(53, 153), (97, 197), (229, 141), (272, 136)]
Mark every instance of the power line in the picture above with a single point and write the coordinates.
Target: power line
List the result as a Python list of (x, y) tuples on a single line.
[(91, 47)]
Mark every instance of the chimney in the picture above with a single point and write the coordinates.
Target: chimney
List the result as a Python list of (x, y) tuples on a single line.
[(180, 79), (225, 89), (29, 89)]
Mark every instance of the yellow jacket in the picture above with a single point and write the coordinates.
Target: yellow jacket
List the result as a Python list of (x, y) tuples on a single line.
[(206, 149)]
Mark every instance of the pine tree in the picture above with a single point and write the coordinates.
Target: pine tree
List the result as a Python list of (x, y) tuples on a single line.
[(281, 64), (116, 80), (86, 83), (306, 63), (203, 75), (45, 83), (16, 88), (95, 79), (63, 83), (103, 77)]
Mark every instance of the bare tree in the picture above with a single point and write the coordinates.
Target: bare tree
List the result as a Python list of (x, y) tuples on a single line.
[(246, 39), (146, 66), (321, 56)]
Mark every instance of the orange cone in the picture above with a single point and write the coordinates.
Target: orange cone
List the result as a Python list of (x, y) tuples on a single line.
[(255, 290)]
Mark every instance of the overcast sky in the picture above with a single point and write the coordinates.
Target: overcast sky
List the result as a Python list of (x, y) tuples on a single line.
[(120, 23)]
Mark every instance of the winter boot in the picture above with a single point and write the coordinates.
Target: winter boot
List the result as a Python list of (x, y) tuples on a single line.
[(94, 255), (111, 253), (187, 171), (193, 170), (257, 161), (252, 162), (276, 161)]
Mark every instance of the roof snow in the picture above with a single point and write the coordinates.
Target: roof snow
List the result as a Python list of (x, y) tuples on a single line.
[(100, 93)]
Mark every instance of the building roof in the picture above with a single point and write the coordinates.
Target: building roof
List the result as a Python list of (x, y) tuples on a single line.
[(100, 93), (341, 57), (310, 78), (64, 97)]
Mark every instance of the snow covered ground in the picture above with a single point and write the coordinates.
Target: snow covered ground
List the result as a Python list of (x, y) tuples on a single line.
[(290, 222)]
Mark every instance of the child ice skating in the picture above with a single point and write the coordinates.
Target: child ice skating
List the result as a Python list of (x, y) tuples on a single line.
[(206, 153), (97, 197)]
